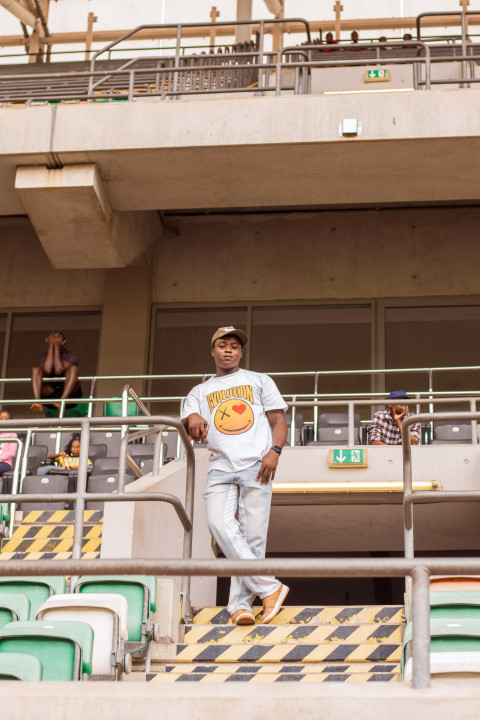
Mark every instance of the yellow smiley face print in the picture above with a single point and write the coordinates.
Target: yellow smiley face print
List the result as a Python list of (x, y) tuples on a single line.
[(234, 417)]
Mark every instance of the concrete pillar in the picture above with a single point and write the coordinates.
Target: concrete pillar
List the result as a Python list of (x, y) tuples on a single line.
[(244, 12), (125, 333), (75, 221)]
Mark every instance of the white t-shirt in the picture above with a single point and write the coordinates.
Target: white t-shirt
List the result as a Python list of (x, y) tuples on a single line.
[(234, 406)]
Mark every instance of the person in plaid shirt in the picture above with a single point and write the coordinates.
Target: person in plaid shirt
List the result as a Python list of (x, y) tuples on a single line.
[(387, 424)]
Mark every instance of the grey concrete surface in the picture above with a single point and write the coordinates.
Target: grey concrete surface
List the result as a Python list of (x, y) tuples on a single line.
[(257, 152), (283, 701)]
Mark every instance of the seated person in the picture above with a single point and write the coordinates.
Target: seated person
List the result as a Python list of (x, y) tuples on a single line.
[(56, 362), (8, 450), (387, 424), (69, 459)]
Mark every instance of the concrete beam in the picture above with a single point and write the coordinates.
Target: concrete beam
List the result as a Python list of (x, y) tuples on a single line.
[(74, 219)]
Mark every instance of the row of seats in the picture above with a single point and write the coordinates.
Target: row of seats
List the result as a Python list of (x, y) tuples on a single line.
[(103, 451), (48, 634), (454, 629), (333, 430)]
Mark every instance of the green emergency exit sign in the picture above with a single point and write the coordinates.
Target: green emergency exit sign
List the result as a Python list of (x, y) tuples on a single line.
[(379, 75), (348, 458)]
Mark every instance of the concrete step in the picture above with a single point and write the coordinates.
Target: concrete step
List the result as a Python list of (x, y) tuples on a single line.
[(208, 677), (315, 615), (286, 652), (49, 535), (290, 634), (269, 668)]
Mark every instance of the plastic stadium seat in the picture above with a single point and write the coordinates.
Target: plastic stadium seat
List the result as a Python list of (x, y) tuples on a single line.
[(64, 648), (36, 455), (45, 485), (452, 604), (109, 438), (107, 614), (105, 466), (453, 433), (455, 583), (36, 589), (47, 439), (333, 429), (454, 647), (170, 443), (97, 451), (15, 666), (13, 607), (140, 592), (100, 484)]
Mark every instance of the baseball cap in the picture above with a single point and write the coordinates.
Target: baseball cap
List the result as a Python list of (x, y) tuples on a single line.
[(398, 395), (230, 330)]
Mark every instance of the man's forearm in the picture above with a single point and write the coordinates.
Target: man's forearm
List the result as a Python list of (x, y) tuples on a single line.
[(57, 361), (48, 364)]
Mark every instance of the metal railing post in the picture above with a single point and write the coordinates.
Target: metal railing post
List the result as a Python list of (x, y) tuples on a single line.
[(292, 423), (81, 490), (473, 408), (351, 424), (315, 408), (421, 627), (188, 534)]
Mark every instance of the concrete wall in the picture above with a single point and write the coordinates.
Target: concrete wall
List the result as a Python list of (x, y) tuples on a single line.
[(27, 280), (311, 256), (153, 530)]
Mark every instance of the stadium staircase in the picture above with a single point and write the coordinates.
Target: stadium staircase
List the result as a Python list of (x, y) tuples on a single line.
[(49, 535), (302, 644)]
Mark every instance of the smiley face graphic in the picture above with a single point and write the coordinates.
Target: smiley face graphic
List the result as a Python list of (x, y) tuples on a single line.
[(234, 417)]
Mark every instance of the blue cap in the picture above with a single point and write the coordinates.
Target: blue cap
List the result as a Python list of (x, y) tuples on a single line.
[(398, 395)]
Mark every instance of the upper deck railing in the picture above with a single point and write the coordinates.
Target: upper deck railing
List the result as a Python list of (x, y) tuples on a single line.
[(254, 71)]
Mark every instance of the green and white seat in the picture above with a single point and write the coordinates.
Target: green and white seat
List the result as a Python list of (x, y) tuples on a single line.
[(13, 607), (36, 589), (454, 647), (107, 614), (15, 666), (64, 648), (140, 592)]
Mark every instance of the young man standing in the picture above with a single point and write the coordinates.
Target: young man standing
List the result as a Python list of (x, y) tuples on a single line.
[(242, 416)]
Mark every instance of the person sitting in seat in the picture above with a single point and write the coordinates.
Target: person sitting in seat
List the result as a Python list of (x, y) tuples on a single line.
[(55, 363), (329, 41), (69, 459), (8, 450), (387, 424)]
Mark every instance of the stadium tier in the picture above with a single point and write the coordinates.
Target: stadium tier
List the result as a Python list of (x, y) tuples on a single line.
[(316, 199)]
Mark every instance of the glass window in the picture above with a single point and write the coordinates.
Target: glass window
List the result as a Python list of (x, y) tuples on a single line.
[(313, 338), (27, 344), (432, 336), (182, 346)]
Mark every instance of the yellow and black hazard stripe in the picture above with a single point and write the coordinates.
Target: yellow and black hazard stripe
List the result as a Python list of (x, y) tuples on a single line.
[(208, 677), (289, 653), (293, 634), (60, 517), (292, 668), (337, 615)]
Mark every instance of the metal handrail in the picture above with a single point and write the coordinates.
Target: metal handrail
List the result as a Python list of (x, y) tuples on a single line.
[(80, 496), (418, 570), (435, 496)]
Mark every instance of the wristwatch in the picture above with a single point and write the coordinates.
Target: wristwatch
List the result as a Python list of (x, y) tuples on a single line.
[(277, 449)]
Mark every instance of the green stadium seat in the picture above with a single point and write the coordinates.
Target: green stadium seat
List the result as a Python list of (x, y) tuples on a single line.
[(36, 589), (15, 666), (140, 592), (454, 647), (13, 607), (455, 604), (107, 614), (64, 648)]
